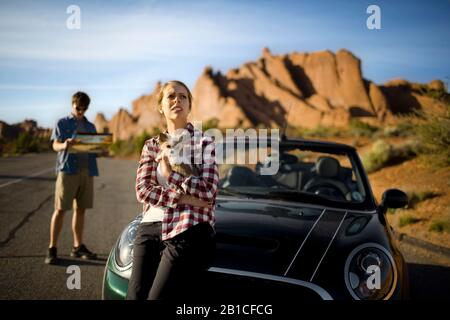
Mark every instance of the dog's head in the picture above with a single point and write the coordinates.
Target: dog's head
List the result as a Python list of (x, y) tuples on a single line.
[(172, 147)]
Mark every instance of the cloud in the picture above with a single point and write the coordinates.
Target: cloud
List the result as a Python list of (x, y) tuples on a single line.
[(26, 87), (113, 36)]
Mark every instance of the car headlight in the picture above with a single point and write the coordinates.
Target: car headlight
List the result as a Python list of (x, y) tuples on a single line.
[(124, 249), (370, 272)]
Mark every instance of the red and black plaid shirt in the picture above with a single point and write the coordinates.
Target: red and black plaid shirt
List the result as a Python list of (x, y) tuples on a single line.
[(179, 217)]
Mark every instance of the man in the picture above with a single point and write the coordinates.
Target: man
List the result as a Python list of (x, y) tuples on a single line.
[(74, 182)]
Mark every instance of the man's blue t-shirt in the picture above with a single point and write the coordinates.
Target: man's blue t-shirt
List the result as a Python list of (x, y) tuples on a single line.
[(69, 162)]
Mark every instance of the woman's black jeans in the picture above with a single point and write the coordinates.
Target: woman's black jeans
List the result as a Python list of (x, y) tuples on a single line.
[(173, 268)]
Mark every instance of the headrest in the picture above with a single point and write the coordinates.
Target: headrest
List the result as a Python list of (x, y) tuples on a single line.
[(327, 167), (241, 176), (239, 170), (288, 158)]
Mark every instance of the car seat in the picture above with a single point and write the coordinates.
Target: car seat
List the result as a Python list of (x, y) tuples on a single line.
[(327, 170), (240, 176)]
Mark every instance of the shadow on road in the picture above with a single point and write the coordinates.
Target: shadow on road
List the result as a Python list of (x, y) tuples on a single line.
[(429, 281), (64, 261), (27, 177)]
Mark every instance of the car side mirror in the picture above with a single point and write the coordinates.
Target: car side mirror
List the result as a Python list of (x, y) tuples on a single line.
[(394, 198)]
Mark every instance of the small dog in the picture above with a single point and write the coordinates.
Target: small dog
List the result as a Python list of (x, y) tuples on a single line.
[(172, 147)]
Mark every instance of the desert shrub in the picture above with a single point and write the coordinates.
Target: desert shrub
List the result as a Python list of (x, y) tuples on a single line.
[(132, 146), (383, 154), (317, 132), (407, 219), (3, 146), (356, 128), (434, 137), (440, 94), (210, 124), (122, 148), (27, 142), (402, 129), (378, 156), (292, 131), (361, 129), (391, 210), (440, 226), (139, 141), (417, 197)]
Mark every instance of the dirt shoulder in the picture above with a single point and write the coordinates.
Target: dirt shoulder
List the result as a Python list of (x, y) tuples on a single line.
[(416, 176)]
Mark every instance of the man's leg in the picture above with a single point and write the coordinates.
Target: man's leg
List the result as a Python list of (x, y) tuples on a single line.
[(56, 226), (77, 226), (79, 250), (65, 190), (84, 199)]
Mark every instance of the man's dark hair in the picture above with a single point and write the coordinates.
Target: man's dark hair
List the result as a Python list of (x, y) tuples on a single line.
[(81, 99)]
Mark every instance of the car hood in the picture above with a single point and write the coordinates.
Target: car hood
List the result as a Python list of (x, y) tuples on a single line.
[(283, 238)]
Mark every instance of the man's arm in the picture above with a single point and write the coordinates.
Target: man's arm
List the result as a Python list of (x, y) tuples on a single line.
[(59, 143), (60, 146)]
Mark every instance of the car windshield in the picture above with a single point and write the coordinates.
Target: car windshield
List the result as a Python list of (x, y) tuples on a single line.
[(295, 172)]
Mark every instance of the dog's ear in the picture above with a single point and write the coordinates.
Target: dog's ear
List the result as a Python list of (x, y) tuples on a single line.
[(162, 137)]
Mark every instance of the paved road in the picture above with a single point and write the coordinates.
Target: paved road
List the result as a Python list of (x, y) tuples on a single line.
[(25, 210), (26, 204)]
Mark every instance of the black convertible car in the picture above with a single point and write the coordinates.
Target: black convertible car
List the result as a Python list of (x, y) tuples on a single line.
[(305, 226)]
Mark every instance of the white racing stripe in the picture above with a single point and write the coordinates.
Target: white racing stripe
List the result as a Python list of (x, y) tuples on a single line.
[(304, 241), (329, 244), (27, 177)]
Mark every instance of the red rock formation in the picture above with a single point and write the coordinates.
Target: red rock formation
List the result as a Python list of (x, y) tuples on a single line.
[(144, 117), (302, 89), (122, 125), (146, 112), (10, 132), (211, 102), (101, 124)]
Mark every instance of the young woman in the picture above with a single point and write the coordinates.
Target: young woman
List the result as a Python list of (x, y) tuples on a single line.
[(174, 243)]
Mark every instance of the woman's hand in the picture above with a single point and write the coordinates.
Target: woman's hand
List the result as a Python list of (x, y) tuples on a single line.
[(193, 201), (166, 169)]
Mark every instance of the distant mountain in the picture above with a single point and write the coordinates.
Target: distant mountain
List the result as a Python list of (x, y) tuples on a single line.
[(10, 132), (302, 89)]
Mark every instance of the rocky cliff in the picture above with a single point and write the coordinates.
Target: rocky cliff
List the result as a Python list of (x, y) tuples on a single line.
[(10, 132), (299, 89)]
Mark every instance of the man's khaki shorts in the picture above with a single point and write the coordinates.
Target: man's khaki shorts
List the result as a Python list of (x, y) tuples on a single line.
[(74, 190)]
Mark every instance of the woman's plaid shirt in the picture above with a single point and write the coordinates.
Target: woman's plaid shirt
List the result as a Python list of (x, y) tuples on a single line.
[(178, 218)]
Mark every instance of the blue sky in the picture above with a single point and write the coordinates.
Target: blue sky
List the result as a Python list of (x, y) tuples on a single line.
[(124, 47)]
